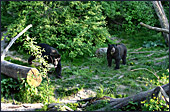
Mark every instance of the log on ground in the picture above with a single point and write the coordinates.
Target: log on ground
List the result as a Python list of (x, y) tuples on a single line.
[(118, 103), (19, 72)]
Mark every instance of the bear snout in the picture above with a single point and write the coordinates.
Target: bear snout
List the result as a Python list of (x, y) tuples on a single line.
[(113, 50)]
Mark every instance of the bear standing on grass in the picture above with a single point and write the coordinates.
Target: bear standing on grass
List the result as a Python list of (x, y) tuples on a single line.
[(116, 52)]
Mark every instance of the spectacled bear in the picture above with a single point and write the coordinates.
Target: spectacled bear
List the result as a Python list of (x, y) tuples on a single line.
[(116, 52), (52, 57)]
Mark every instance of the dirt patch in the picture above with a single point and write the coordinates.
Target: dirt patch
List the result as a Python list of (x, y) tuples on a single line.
[(82, 94), (22, 107)]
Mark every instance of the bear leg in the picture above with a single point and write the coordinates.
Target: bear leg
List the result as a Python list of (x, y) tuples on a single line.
[(30, 59), (124, 56), (58, 70), (117, 64), (109, 60), (124, 60)]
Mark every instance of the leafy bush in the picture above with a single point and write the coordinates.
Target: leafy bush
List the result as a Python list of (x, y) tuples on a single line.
[(8, 86), (155, 105), (6, 18), (36, 51), (148, 44), (126, 15), (24, 92), (74, 28), (41, 94), (101, 104)]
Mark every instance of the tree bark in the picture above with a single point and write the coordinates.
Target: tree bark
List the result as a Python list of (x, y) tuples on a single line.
[(162, 18), (120, 102), (17, 71)]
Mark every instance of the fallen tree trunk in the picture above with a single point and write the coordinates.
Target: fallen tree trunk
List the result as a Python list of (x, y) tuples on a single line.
[(120, 102), (18, 71), (116, 103)]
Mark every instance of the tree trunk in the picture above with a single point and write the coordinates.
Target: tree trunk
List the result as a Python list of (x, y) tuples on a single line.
[(18, 72), (162, 18)]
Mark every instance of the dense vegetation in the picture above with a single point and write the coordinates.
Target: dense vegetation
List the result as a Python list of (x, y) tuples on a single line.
[(77, 29)]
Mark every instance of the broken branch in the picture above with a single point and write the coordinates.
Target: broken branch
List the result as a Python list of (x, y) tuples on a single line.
[(155, 28)]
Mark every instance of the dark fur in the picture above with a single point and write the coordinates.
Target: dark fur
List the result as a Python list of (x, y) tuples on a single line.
[(52, 55), (120, 53)]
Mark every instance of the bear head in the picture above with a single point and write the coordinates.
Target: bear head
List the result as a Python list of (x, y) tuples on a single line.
[(112, 48), (56, 57)]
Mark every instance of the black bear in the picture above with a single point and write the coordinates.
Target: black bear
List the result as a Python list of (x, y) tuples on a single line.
[(52, 57), (116, 52)]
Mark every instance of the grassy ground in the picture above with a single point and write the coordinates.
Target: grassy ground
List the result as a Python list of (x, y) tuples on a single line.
[(94, 74)]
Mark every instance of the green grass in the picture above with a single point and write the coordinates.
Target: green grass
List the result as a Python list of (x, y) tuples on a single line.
[(94, 74)]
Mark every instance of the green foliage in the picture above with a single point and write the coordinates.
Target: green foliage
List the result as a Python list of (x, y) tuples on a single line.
[(8, 58), (126, 15), (44, 96), (26, 93), (73, 27), (137, 40), (101, 104), (156, 43), (73, 106), (161, 80), (8, 86), (63, 92), (29, 44), (77, 29), (6, 18), (101, 92), (132, 106), (41, 94), (155, 105)]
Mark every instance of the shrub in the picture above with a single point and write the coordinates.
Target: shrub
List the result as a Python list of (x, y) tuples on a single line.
[(126, 16), (74, 28)]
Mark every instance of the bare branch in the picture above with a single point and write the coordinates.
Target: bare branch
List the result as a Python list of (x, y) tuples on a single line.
[(142, 52), (12, 41), (155, 28)]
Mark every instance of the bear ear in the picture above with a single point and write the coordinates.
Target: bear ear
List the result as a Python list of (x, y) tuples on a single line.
[(109, 45)]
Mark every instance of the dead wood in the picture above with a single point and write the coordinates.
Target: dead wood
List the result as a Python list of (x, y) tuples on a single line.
[(117, 103), (138, 49), (58, 107), (18, 71), (13, 40), (146, 95), (154, 73), (162, 19), (149, 55), (155, 28), (141, 52)]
